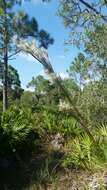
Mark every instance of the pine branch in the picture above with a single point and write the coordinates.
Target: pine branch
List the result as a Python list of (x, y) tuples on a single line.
[(15, 53), (93, 9)]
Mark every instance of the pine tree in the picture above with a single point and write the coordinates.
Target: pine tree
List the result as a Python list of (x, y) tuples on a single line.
[(15, 24)]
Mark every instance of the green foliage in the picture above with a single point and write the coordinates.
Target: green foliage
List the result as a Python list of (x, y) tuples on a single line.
[(79, 69), (16, 25), (13, 85), (13, 78), (60, 122), (92, 102), (40, 84), (78, 152), (80, 16), (45, 39), (101, 135), (45, 176), (50, 120), (90, 97), (46, 93), (69, 126), (21, 25), (96, 48), (97, 41), (36, 117), (28, 99), (16, 130), (81, 152)]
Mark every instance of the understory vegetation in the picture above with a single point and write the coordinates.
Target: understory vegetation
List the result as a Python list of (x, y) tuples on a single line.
[(42, 142), (53, 136)]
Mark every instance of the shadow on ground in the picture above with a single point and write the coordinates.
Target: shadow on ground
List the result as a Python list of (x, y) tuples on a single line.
[(19, 174)]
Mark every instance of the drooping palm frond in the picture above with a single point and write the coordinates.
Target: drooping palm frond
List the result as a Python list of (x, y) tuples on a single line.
[(42, 56)]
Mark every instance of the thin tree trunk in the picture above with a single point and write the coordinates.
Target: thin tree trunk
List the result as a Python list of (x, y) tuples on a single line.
[(5, 99), (5, 69)]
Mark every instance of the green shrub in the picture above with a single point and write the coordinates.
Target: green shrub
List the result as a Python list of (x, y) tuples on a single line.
[(78, 152), (81, 152), (17, 130), (60, 122), (101, 132)]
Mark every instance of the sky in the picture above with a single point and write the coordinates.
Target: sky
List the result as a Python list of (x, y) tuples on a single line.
[(60, 55)]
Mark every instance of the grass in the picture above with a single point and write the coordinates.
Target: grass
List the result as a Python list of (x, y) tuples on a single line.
[(39, 172)]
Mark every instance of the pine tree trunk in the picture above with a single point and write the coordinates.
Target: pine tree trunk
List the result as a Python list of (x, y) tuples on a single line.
[(5, 70), (5, 100)]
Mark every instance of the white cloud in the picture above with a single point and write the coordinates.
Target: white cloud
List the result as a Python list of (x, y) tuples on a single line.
[(27, 57), (42, 72), (63, 75)]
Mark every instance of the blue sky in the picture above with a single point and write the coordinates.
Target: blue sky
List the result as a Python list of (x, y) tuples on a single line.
[(45, 13)]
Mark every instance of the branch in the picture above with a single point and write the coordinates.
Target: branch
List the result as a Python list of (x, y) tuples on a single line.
[(93, 9), (15, 53)]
